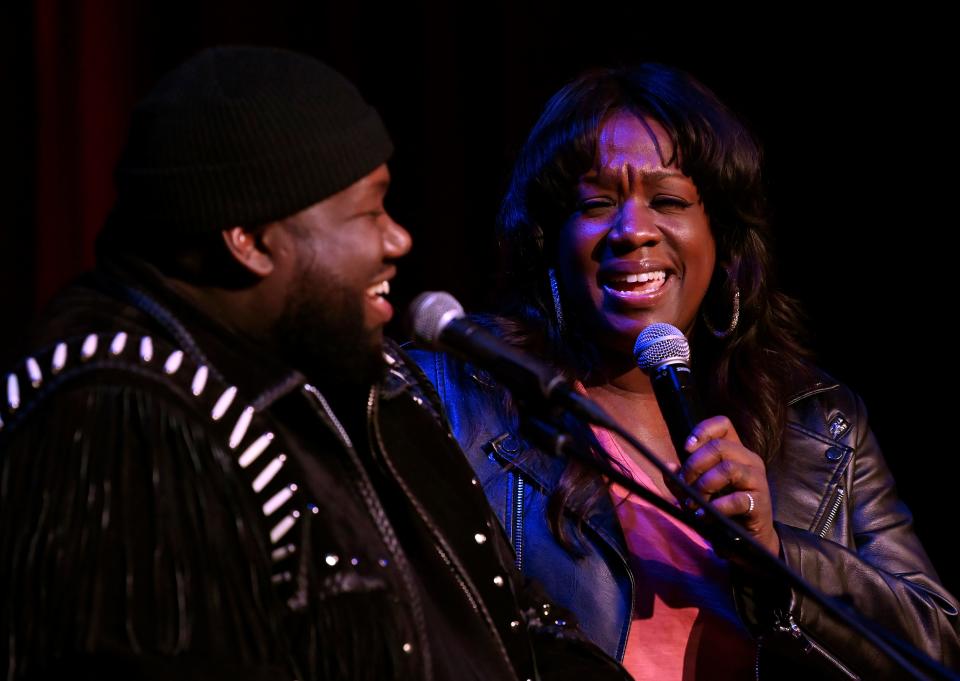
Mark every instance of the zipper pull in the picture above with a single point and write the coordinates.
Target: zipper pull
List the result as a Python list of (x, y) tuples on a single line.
[(785, 624)]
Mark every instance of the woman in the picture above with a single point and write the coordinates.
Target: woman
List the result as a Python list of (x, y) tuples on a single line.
[(637, 199)]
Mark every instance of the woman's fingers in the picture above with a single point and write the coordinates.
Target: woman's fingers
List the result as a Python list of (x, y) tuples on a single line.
[(727, 473), (739, 503), (731, 456), (731, 477), (715, 428)]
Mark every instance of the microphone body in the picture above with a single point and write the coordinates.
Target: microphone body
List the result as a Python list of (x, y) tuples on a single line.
[(439, 323), (512, 367), (662, 352)]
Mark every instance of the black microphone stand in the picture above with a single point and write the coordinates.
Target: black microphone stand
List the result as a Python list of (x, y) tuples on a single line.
[(566, 432)]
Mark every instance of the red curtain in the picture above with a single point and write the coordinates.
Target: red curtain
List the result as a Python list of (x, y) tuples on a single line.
[(84, 90)]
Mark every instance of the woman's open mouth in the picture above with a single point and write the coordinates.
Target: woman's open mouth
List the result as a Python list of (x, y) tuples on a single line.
[(635, 286)]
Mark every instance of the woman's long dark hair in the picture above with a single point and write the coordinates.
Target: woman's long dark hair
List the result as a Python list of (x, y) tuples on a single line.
[(746, 375)]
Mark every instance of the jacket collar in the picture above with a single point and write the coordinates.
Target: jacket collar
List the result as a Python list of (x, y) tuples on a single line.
[(817, 382), (155, 304)]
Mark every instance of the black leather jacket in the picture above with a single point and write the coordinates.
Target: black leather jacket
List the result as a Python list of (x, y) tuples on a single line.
[(841, 525), (177, 504)]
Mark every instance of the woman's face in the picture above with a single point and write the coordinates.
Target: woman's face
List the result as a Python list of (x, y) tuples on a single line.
[(638, 247)]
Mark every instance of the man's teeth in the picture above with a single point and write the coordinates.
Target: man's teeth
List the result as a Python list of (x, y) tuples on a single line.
[(381, 289)]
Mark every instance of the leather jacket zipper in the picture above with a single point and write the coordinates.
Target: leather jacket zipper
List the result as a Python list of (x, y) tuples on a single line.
[(756, 661), (518, 494), (440, 543), (831, 515), (379, 516), (841, 667), (787, 625)]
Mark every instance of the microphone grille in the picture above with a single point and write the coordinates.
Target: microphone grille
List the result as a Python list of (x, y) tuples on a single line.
[(430, 312), (660, 344)]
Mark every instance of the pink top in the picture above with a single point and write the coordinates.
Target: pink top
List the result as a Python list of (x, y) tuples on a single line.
[(684, 626)]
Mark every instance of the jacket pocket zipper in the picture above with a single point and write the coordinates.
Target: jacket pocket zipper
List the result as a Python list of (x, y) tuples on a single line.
[(831, 512), (518, 494)]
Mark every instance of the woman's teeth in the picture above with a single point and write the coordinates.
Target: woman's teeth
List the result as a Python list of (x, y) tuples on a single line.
[(626, 282)]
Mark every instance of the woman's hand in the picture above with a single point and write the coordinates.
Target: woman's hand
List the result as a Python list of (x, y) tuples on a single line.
[(732, 477)]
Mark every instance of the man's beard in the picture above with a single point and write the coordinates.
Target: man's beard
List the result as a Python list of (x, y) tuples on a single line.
[(321, 333)]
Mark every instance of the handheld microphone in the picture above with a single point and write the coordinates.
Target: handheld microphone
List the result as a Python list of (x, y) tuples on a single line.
[(662, 352), (439, 323)]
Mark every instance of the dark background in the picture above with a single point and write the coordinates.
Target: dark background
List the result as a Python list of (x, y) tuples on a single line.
[(854, 114)]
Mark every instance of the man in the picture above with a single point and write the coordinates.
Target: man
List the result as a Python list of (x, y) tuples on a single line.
[(213, 465)]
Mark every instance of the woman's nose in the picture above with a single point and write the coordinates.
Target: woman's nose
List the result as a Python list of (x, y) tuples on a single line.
[(636, 227)]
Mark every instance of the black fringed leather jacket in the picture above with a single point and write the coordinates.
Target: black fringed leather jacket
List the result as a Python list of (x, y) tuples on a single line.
[(841, 525), (176, 504)]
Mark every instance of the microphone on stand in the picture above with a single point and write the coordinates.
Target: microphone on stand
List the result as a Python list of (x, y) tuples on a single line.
[(439, 323)]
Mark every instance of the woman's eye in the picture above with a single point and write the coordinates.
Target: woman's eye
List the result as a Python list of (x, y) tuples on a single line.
[(594, 205), (670, 203)]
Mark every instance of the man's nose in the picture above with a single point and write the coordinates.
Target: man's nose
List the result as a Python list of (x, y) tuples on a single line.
[(396, 240)]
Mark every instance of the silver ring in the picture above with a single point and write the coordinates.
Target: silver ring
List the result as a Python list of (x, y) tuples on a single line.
[(752, 503)]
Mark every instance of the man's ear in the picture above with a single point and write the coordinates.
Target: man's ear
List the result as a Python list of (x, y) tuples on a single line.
[(249, 250)]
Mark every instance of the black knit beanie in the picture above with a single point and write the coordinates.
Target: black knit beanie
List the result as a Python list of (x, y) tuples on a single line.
[(242, 136)]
